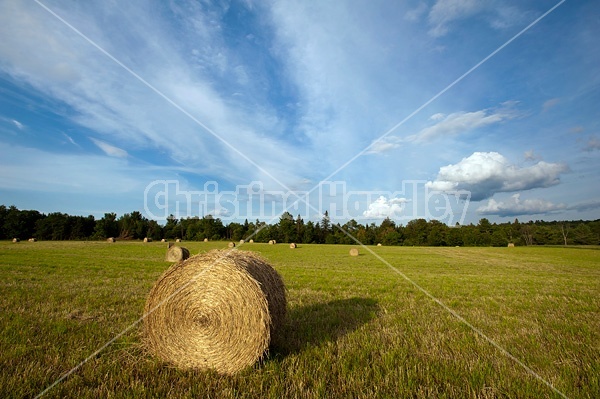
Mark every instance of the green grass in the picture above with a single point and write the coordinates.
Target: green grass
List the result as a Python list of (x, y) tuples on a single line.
[(355, 327)]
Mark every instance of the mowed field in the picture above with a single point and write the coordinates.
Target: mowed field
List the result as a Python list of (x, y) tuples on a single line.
[(356, 327)]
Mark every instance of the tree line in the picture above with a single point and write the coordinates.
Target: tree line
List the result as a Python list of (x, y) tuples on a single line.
[(24, 224)]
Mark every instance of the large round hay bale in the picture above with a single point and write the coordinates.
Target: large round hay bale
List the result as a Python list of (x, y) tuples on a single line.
[(16, 239), (354, 252), (293, 245), (111, 239), (32, 239), (511, 245), (206, 240), (231, 245), (163, 240), (378, 244), (147, 239), (251, 242), (271, 242), (218, 310), (178, 240), (242, 241), (177, 254)]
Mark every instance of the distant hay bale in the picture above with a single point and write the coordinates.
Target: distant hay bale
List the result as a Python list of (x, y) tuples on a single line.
[(111, 239), (178, 240), (32, 239), (242, 241), (16, 239), (219, 310), (251, 242), (511, 245), (274, 241), (177, 254), (206, 240), (271, 242), (354, 252), (147, 239), (293, 245), (231, 244), (379, 244), (163, 240)]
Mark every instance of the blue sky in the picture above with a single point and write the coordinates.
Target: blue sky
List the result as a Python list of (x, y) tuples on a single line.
[(98, 100)]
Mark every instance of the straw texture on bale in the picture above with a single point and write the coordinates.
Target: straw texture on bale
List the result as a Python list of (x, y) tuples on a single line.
[(177, 254), (354, 252), (111, 239), (231, 244), (218, 310), (147, 239), (293, 245)]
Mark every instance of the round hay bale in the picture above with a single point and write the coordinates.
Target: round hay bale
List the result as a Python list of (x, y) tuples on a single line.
[(32, 240), (206, 240), (293, 245), (111, 239), (178, 240), (354, 252), (177, 254), (271, 242), (242, 241), (147, 239), (16, 239), (511, 245), (274, 241), (251, 242), (218, 310), (231, 245), (163, 240), (379, 244)]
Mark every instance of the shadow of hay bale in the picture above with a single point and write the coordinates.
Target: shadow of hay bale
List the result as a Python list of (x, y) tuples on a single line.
[(316, 324)]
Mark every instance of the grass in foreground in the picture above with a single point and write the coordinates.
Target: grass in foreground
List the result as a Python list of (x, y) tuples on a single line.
[(356, 328)]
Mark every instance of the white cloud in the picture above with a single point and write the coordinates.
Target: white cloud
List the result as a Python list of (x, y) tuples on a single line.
[(549, 104), (486, 173), (110, 150), (383, 207), (530, 155), (515, 207), (18, 124), (383, 145), (461, 122), (593, 144), (444, 12)]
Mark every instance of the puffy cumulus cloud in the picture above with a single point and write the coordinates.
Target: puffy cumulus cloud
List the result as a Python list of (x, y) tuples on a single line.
[(515, 207), (487, 173), (110, 150), (385, 208)]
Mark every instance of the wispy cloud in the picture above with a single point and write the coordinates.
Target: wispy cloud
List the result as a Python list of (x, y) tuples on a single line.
[(487, 173), (593, 144), (18, 124), (549, 104), (109, 149), (445, 12), (515, 207)]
